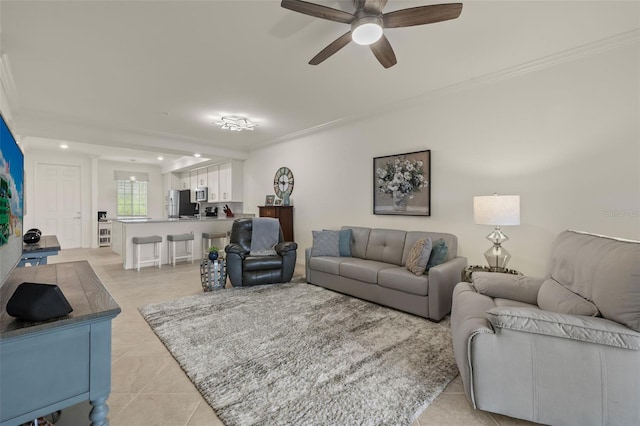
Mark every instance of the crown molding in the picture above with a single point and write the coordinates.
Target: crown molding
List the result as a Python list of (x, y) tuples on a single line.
[(550, 61), (8, 83), (569, 55)]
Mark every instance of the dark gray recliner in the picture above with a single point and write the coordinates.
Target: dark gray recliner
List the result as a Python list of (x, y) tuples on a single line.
[(247, 270)]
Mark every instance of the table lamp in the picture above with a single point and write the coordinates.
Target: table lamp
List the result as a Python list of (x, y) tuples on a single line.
[(497, 210)]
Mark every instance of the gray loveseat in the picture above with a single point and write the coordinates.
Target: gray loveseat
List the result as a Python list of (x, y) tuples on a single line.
[(376, 271), (560, 350)]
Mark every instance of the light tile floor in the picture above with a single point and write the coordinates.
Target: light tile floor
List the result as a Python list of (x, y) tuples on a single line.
[(149, 387)]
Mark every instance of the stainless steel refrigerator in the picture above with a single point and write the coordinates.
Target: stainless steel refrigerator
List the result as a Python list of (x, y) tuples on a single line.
[(180, 204)]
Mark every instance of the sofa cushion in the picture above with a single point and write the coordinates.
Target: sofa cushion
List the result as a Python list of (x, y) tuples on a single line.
[(386, 245), (439, 252), (602, 269), (330, 265), (344, 242), (412, 236), (325, 243), (507, 286), (359, 240), (510, 303), (401, 279), (593, 330), (419, 256), (556, 298), (362, 270)]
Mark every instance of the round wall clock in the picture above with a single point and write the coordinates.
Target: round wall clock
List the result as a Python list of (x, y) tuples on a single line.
[(283, 182)]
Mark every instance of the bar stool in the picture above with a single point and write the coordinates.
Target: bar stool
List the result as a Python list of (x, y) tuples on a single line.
[(207, 240), (156, 240), (188, 246)]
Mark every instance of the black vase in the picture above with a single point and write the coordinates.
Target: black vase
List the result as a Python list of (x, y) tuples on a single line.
[(213, 255)]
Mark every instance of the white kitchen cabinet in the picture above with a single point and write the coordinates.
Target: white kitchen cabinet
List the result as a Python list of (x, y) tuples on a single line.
[(202, 177), (185, 180), (213, 183), (230, 181), (193, 185)]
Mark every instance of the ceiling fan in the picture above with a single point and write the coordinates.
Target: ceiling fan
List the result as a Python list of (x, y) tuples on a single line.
[(368, 21)]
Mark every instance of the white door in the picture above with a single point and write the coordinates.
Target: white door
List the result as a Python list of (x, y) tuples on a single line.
[(57, 203)]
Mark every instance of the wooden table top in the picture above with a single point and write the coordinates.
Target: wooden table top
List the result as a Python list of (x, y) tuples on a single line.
[(78, 282)]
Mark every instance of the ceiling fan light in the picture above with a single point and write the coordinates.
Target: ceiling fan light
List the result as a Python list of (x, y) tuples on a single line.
[(366, 31)]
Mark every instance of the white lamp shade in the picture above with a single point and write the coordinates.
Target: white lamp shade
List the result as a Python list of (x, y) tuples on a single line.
[(496, 210)]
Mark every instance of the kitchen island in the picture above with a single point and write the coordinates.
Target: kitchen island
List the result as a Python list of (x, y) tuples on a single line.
[(124, 230)]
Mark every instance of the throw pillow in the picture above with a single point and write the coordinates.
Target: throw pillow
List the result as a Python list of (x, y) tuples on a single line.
[(344, 242), (555, 297), (419, 256), (438, 254), (325, 243)]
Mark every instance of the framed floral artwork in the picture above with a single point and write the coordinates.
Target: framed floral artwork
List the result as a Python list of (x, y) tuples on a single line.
[(402, 184)]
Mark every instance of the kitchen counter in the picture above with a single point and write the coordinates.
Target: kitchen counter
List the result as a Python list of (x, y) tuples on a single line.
[(184, 219), (124, 230)]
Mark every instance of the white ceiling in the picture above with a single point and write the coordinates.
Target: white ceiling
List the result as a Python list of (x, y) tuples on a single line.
[(150, 76)]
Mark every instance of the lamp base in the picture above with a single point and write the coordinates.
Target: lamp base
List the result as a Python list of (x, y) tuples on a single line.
[(497, 256)]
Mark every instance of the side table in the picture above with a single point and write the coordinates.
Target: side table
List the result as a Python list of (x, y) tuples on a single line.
[(213, 274), (50, 365), (469, 270)]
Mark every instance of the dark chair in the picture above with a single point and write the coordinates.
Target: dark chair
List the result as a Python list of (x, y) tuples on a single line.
[(247, 270)]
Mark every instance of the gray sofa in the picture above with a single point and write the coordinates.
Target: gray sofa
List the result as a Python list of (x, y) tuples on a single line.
[(560, 350), (376, 272)]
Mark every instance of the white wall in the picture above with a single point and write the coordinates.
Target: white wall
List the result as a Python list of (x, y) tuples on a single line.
[(107, 187), (565, 138), (97, 186)]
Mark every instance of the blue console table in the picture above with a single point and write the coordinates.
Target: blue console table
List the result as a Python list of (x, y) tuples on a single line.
[(50, 365), (37, 254)]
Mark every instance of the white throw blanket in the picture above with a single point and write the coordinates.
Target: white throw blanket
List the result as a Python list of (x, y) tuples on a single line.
[(264, 236)]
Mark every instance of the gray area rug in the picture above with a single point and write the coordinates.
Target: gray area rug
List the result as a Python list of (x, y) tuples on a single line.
[(297, 354)]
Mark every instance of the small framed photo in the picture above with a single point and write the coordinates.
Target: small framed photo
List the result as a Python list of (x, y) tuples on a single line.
[(269, 199), (277, 202)]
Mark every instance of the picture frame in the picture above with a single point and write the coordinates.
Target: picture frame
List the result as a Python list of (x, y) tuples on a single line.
[(269, 199), (402, 184), (277, 202)]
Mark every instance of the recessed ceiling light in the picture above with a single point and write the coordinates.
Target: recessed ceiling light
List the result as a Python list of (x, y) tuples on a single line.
[(160, 158), (64, 146), (196, 155)]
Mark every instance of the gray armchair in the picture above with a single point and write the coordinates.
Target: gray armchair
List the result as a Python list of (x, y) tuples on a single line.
[(560, 350)]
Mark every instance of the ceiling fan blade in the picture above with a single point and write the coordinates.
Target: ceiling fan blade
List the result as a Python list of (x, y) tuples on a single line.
[(374, 6), (384, 52), (318, 11), (421, 15), (332, 48)]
